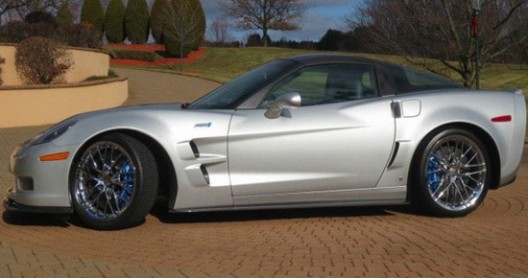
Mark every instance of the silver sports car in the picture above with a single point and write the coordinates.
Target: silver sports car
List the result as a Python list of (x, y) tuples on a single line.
[(303, 131)]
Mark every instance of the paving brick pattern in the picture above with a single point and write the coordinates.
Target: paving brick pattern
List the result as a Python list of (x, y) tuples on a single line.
[(332, 242)]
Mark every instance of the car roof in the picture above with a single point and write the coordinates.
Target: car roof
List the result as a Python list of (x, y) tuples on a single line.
[(333, 58), (388, 83)]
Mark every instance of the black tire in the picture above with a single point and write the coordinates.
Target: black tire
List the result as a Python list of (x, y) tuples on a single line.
[(113, 182), (451, 174)]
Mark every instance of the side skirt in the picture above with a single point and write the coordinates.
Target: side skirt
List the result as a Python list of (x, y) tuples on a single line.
[(340, 198)]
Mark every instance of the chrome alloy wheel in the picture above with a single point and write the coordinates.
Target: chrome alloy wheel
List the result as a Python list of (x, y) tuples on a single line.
[(456, 173), (105, 180)]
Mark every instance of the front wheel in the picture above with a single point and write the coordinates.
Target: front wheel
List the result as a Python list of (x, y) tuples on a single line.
[(452, 175), (114, 182)]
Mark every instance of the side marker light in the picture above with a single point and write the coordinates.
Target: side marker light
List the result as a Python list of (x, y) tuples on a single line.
[(502, 119), (55, 156)]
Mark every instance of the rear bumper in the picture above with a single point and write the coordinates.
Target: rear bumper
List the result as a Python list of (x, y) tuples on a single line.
[(13, 206)]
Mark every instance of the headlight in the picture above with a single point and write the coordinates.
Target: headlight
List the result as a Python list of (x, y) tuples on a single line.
[(53, 132)]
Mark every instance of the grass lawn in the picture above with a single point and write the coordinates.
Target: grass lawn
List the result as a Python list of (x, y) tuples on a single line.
[(224, 64)]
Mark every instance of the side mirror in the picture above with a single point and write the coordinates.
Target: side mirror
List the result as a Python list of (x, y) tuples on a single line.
[(280, 106)]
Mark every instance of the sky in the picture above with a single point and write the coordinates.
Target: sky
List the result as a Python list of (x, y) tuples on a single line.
[(320, 16)]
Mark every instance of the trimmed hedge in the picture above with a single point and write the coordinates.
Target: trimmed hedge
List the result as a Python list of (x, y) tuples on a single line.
[(158, 18), (131, 54), (185, 27), (77, 35), (137, 21), (40, 17), (64, 15), (198, 13), (114, 24), (92, 12)]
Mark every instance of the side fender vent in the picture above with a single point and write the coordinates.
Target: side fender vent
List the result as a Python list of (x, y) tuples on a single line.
[(194, 148), (394, 154), (205, 174)]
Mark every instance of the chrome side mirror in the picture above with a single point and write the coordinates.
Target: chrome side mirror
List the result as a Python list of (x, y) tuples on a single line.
[(280, 106)]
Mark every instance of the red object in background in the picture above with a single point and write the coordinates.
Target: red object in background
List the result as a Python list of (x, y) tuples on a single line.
[(475, 26), (191, 58)]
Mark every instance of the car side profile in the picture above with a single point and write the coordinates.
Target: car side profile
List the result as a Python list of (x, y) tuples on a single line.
[(304, 131)]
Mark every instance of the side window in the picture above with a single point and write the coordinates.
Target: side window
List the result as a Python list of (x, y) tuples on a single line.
[(329, 83)]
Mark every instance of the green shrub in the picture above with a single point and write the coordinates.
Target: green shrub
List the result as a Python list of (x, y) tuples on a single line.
[(114, 24), (137, 21), (185, 27), (131, 54), (64, 15), (41, 60), (82, 35), (158, 18), (198, 13), (92, 12), (40, 17), (15, 31), (176, 47), (77, 35)]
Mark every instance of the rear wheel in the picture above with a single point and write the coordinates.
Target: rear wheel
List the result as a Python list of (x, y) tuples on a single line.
[(452, 175), (114, 182)]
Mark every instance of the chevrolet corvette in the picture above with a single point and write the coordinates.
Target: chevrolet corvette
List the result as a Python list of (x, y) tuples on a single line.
[(303, 131)]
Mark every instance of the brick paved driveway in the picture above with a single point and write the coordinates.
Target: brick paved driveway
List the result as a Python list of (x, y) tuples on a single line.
[(389, 241)]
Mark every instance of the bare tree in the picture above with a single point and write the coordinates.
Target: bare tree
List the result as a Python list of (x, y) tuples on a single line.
[(219, 31), (23, 7), (264, 15), (444, 30), (10, 5)]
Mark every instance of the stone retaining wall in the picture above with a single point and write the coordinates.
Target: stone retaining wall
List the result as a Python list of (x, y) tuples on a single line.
[(41, 105), (86, 63), (32, 105)]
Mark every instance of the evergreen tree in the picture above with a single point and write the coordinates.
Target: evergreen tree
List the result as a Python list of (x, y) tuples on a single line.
[(185, 27), (198, 13), (114, 23), (331, 41), (158, 18), (137, 21), (92, 12), (64, 15)]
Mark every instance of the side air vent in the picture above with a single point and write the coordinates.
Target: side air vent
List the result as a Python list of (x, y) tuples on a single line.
[(394, 154), (194, 149), (205, 173)]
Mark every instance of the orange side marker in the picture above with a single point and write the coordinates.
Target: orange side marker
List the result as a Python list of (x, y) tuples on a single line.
[(55, 156)]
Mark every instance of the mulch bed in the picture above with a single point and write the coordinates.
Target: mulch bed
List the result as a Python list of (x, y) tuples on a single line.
[(191, 58)]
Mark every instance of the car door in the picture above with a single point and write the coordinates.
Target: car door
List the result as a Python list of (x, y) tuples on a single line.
[(339, 139)]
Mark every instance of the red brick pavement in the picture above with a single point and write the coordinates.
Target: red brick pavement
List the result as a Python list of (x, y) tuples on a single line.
[(346, 242), (336, 242)]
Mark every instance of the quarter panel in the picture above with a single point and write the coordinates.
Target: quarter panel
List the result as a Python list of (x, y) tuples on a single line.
[(475, 108)]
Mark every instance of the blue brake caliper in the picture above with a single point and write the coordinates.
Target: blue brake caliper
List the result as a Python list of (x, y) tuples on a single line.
[(433, 177), (128, 176)]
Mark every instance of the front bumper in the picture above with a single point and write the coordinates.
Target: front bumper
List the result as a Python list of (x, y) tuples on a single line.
[(39, 185), (13, 206)]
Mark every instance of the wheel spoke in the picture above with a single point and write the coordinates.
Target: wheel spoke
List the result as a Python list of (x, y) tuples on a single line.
[(456, 172), (105, 181), (442, 189)]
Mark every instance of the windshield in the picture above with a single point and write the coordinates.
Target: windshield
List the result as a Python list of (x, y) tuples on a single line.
[(240, 89)]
